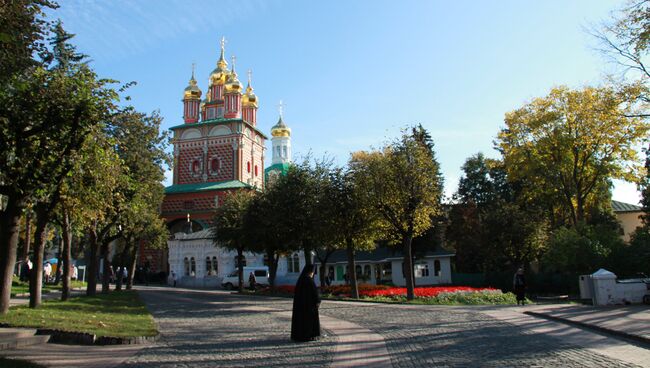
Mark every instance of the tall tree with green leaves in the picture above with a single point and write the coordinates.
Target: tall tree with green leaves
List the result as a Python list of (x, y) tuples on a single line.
[(402, 183), (569, 144), (352, 218), (46, 110), (229, 230)]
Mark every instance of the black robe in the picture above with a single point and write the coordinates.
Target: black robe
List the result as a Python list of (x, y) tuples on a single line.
[(305, 324)]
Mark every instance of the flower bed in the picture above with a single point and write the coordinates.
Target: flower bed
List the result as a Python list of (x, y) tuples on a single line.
[(447, 295)]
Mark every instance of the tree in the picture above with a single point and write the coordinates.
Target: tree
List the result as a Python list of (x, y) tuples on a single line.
[(46, 110), (402, 183), (352, 220), (625, 39), (492, 228), (569, 144), (228, 230)]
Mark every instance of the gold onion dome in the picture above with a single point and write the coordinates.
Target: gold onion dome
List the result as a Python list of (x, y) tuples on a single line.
[(232, 83), (280, 129), (192, 91), (220, 73), (249, 98)]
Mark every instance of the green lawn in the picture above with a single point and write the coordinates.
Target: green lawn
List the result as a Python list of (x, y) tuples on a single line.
[(117, 314), (20, 287)]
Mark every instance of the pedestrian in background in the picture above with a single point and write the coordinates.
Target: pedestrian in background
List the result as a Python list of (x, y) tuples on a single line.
[(519, 286)]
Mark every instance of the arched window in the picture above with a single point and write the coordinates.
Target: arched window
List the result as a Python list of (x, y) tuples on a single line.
[(248, 166), (192, 267), (366, 271), (255, 170), (186, 264), (215, 165), (436, 268), (293, 263), (357, 268), (215, 266)]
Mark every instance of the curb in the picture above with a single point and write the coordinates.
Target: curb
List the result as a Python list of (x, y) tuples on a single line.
[(604, 330), (83, 338)]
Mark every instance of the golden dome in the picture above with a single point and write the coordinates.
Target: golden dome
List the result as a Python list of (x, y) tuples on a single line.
[(249, 99), (233, 85), (220, 73), (192, 91), (280, 129)]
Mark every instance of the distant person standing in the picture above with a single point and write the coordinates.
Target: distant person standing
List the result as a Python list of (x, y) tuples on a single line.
[(252, 281), (47, 272), (519, 286), (305, 323)]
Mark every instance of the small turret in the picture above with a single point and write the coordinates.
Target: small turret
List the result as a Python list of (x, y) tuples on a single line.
[(249, 103), (191, 101), (281, 141), (232, 94)]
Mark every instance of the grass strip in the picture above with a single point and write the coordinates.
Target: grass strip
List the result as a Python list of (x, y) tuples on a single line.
[(117, 314)]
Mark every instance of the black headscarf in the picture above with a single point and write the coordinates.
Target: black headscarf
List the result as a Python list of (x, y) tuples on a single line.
[(305, 324)]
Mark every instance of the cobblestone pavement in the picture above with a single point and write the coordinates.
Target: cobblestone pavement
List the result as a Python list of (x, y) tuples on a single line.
[(221, 330), (212, 329), (425, 337)]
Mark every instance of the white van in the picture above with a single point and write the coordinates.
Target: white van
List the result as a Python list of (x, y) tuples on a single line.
[(232, 279)]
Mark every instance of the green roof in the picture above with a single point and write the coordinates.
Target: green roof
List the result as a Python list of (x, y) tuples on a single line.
[(625, 207), (202, 187), (280, 167), (219, 121)]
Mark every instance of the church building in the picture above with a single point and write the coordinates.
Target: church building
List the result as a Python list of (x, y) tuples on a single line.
[(218, 149)]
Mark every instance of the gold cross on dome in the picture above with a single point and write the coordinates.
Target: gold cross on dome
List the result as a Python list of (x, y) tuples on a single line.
[(223, 42), (233, 59), (193, 67), (250, 75)]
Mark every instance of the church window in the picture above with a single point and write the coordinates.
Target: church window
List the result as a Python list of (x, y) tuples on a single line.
[(248, 166), (357, 269), (293, 263), (192, 267), (186, 264), (278, 151), (211, 266), (215, 165), (255, 170), (284, 152), (215, 266), (436, 268), (211, 113), (196, 167), (220, 112)]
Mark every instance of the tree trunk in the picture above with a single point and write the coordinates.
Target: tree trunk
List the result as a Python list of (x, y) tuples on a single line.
[(67, 244), (9, 220), (106, 269), (273, 268), (28, 234), (408, 265), (352, 269), (132, 263), (240, 266), (93, 262), (36, 276)]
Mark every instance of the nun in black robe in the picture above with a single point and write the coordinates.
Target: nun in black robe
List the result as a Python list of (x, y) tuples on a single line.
[(305, 324)]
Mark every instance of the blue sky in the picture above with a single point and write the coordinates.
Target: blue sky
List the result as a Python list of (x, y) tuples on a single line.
[(353, 73)]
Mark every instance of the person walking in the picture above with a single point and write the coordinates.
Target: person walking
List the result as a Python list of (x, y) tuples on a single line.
[(305, 323), (519, 286), (252, 281)]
